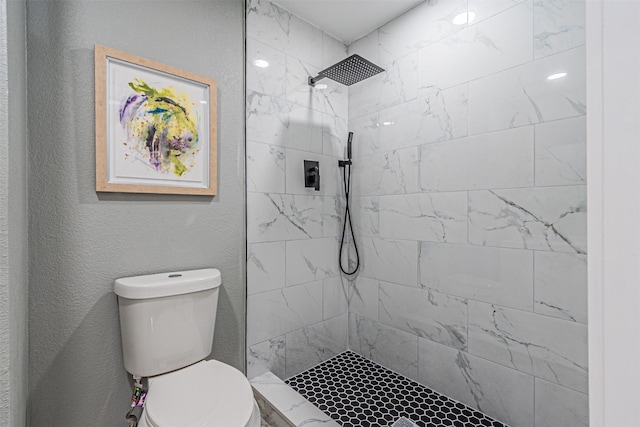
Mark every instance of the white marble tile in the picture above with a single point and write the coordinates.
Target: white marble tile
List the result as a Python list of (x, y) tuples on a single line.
[(333, 50), (365, 216), (560, 406), (335, 131), (423, 25), (268, 23), (438, 217), (275, 313), (366, 135), (272, 217), (311, 260), (332, 216), (496, 160), (295, 175), (548, 348), (269, 416), (266, 80), (444, 114), (298, 410), (561, 285), (427, 314), (305, 41), (495, 275), (561, 152), (397, 84), (400, 126), (267, 356), (314, 344), (332, 99), (523, 95), (267, 118), (366, 47), (558, 25), (265, 267), (297, 85), (496, 44), (546, 218), (335, 293), (278, 122), (439, 116), (389, 260), (499, 392), (394, 172), (389, 347), (363, 297), (265, 168), (336, 100), (304, 129), (484, 9)]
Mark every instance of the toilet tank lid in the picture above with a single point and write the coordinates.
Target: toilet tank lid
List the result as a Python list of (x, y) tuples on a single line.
[(167, 284)]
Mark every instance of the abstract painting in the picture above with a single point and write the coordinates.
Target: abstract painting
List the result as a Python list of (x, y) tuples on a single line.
[(155, 127)]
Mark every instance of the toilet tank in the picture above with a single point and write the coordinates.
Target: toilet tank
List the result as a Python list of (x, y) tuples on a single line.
[(167, 320)]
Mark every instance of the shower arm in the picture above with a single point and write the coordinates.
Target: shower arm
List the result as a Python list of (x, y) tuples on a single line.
[(313, 80)]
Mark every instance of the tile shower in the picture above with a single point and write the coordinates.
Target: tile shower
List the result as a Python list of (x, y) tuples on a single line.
[(469, 203)]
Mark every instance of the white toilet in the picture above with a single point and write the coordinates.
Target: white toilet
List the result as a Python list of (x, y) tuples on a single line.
[(167, 323)]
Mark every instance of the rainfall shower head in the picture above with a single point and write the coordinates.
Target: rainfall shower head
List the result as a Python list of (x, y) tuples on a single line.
[(348, 71)]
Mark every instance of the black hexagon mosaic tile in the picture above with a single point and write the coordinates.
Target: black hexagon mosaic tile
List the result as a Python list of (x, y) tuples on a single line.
[(357, 392)]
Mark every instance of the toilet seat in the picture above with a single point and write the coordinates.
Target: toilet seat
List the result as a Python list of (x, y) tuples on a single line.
[(207, 394)]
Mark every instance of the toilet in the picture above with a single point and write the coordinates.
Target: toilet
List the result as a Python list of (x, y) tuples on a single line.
[(167, 323)]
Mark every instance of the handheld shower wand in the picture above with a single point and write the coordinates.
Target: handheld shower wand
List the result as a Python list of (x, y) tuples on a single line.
[(346, 178)]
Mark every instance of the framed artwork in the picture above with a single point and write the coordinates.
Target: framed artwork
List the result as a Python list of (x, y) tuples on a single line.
[(155, 127)]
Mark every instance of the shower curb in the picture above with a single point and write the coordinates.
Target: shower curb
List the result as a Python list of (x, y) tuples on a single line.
[(289, 405)]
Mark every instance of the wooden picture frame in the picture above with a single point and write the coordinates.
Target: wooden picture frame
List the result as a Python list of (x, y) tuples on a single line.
[(156, 127)]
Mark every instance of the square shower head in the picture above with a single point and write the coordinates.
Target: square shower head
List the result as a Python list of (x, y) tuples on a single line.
[(349, 71)]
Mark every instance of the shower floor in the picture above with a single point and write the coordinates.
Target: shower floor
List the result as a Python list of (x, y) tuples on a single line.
[(355, 391)]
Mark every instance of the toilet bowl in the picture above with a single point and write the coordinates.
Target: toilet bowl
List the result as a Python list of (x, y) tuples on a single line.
[(208, 394)]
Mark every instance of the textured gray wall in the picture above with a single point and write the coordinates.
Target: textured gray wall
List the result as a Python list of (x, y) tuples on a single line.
[(5, 331), (13, 240), (80, 241)]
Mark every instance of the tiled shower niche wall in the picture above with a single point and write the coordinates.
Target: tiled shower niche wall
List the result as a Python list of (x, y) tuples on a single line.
[(470, 206), (296, 304)]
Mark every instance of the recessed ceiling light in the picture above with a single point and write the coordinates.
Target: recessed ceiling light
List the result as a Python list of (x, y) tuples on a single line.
[(464, 18), (556, 76), (261, 63)]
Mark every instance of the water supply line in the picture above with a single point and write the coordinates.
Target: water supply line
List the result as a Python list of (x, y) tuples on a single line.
[(137, 401), (346, 179)]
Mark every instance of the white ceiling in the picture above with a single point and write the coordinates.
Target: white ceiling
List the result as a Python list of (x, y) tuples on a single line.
[(348, 20)]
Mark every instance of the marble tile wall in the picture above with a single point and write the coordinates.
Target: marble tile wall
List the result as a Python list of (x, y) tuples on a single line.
[(470, 206), (297, 303), (469, 203)]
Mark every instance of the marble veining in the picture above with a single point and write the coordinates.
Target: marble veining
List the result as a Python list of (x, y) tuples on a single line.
[(266, 356), (558, 25), (549, 348), (381, 343), (552, 218), (282, 217), (498, 391), (439, 217), (314, 344), (424, 313)]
